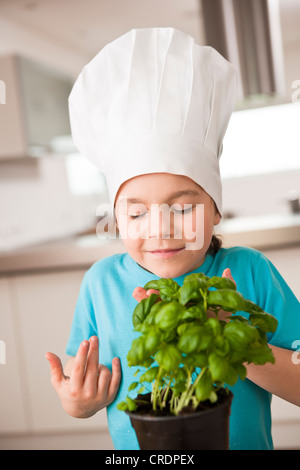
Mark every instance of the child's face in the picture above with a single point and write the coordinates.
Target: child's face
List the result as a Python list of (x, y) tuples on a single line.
[(157, 241)]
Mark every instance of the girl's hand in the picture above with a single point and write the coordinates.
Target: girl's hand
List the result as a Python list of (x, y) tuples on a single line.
[(140, 293), (91, 386)]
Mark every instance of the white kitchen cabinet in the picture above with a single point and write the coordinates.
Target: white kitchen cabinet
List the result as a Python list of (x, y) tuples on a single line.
[(286, 416), (34, 110), (287, 261), (12, 399), (45, 304)]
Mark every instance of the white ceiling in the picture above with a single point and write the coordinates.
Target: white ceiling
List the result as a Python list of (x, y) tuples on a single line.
[(68, 33), (87, 25)]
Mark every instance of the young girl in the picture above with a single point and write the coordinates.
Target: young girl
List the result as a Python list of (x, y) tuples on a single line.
[(150, 110)]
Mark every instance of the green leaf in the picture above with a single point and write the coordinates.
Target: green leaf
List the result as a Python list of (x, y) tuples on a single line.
[(229, 300), (150, 319), (168, 289), (241, 370), (214, 325), (196, 360), (152, 340), (240, 335), (260, 355), (195, 312), (168, 316), (221, 283), (137, 354), (213, 397), (239, 318), (218, 367), (198, 276), (191, 290), (251, 307), (142, 309), (122, 406), (265, 321), (152, 285), (195, 339), (204, 387), (231, 376), (133, 386), (149, 375), (168, 357), (132, 406), (221, 345), (181, 375), (147, 362)]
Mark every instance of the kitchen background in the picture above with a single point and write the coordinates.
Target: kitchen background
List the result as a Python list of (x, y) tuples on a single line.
[(49, 194)]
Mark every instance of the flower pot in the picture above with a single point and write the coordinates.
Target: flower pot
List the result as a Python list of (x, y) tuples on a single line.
[(201, 430)]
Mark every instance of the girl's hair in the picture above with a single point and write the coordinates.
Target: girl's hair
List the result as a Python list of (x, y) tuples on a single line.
[(215, 244)]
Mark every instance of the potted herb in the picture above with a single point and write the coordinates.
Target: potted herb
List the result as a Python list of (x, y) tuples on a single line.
[(185, 358)]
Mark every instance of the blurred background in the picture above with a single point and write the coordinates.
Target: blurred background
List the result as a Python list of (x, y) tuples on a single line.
[(49, 193)]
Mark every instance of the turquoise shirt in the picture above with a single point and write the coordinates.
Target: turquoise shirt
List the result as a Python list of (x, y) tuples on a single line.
[(105, 305)]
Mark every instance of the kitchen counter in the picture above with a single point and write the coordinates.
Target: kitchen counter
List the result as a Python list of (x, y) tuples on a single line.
[(69, 253), (76, 252)]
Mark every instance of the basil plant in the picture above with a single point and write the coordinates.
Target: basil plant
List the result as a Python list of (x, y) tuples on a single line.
[(184, 352)]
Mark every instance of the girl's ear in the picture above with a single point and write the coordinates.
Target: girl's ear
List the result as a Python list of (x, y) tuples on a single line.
[(217, 218)]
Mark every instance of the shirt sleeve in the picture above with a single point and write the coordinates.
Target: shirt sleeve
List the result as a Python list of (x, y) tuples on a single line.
[(83, 324), (275, 297)]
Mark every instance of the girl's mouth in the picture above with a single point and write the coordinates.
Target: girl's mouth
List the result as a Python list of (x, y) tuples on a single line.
[(166, 253)]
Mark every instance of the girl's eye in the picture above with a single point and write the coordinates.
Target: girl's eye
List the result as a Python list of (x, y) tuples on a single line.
[(184, 211), (133, 217)]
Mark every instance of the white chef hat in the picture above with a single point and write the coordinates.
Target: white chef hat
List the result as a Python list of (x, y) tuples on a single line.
[(154, 101)]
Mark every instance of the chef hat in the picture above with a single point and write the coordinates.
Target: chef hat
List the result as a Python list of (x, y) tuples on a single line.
[(154, 101)]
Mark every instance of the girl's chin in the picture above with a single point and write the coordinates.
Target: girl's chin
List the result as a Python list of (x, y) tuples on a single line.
[(167, 271)]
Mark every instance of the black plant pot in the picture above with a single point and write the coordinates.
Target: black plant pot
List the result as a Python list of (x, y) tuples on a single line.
[(202, 430)]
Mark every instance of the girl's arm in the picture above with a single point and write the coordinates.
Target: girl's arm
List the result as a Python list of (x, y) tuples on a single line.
[(281, 379)]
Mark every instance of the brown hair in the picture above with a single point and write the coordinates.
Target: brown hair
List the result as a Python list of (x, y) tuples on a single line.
[(215, 244)]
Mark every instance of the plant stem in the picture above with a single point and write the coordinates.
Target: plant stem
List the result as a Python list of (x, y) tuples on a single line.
[(183, 396), (192, 388), (166, 393), (155, 390)]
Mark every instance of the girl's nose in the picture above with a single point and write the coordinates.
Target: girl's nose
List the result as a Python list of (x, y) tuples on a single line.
[(160, 222)]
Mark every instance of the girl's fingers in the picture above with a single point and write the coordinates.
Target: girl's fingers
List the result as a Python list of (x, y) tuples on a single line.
[(151, 291), (115, 379), (57, 374), (139, 294), (227, 273), (78, 369), (92, 367)]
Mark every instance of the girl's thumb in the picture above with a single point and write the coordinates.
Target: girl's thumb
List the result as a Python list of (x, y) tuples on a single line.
[(57, 374)]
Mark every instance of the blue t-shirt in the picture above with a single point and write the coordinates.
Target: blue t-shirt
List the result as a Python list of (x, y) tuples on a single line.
[(105, 306)]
